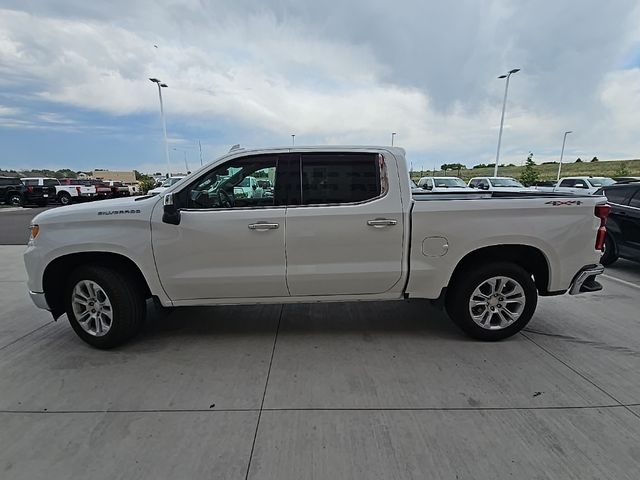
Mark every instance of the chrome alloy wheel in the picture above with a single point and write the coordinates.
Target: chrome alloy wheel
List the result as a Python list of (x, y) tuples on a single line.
[(497, 302), (92, 308)]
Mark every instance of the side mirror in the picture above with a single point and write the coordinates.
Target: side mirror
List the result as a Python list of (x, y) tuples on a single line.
[(171, 214), (255, 187)]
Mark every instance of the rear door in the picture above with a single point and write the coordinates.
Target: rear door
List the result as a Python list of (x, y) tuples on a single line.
[(630, 224), (346, 236)]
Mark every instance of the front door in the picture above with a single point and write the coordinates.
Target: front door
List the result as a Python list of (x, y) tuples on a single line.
[(346, 236), (229, 243)]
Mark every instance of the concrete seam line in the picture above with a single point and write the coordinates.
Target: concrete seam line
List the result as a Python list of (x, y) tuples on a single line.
[(624, 282), (584, 377), (327, 409), (450, 409), (264, 393), (26, 335)]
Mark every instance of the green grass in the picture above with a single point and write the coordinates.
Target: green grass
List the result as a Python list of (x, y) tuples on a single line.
[(609, 168)]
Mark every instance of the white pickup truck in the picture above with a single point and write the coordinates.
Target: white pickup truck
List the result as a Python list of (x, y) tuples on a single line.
[(579, 185), (65, 194), (341, 225)]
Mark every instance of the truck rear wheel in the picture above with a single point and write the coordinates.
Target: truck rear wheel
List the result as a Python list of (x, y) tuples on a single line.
[(492, 301), (104, 306), (64, 198)]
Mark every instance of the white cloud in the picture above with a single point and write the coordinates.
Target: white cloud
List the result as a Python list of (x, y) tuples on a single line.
[(269, 70)]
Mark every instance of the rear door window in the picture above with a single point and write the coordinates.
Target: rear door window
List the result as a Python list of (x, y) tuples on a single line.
[(635, 200), (618, 195), (338, 178)]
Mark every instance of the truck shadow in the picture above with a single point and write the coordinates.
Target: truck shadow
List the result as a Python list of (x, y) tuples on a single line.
[(337, 319)]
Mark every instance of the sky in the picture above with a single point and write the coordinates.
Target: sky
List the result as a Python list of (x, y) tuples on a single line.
[(75, 90)]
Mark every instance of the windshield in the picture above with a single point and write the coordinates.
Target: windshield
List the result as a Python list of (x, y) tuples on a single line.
[(505, 182), (449, 182), (601, 181), (170, 181)]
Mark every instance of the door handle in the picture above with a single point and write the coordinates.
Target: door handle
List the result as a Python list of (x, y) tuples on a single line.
[(381, 222), (264, 226)]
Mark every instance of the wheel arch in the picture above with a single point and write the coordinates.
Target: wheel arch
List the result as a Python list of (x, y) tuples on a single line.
[(532, 259), (59, 268)]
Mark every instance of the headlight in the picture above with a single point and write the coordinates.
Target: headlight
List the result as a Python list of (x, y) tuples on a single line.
[(35, 230)]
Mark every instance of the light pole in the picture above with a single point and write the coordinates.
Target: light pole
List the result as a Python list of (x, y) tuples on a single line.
[(164, 125), (564, 140), (504, 104), (185, 157), (293, 140), (393, 135)]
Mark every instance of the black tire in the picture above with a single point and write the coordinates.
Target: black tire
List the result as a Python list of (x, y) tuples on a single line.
[(127, 302), (610, 254), (464, 284), (64, 198), (15, 199)]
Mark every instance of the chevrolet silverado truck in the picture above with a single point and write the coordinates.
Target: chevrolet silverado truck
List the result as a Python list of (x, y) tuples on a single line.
[(342, 225)]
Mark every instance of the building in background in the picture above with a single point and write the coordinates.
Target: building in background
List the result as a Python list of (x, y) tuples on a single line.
[(117, 176)]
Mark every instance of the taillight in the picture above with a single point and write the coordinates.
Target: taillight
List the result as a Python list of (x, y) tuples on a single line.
[(30, 189), (78, 190), (602, 212)]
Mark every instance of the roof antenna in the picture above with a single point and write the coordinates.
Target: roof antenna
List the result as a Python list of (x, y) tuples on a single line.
[(235, 147)]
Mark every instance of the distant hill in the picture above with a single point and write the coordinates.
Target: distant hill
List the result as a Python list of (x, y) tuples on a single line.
[(608, 168)]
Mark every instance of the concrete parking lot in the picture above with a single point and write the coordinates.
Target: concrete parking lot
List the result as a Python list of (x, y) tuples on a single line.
[(326, 391)]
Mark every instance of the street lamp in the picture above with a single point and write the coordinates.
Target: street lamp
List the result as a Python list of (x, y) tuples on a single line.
[(185, 157), (564, 140), (393, 134), (293, 140), (504, 104), (162, 85)]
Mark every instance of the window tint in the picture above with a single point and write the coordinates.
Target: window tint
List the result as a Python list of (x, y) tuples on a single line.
[(339, 178), (9, 181), (567, 183), (617, 195), (234, 185), (31, 183), (635, 201), (50, 182)]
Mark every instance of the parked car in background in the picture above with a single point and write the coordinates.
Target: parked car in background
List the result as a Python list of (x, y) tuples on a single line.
[(11, 191), (580, 185), (248, 188), (118, 189), (64, 193), (443, 184), (353, 232), (32, 193), (623, 224), (165, 184), (414, 187), (498, 184)]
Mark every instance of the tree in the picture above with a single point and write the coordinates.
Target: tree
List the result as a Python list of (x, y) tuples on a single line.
[(594, 159), (529, 174), (579, 160)]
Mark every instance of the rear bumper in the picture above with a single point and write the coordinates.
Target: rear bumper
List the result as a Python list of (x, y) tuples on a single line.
[(39, 300), (585, 280)]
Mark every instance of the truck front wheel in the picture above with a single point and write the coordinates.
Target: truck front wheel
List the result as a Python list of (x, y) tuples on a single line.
[(492, 301), (104, 306)]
